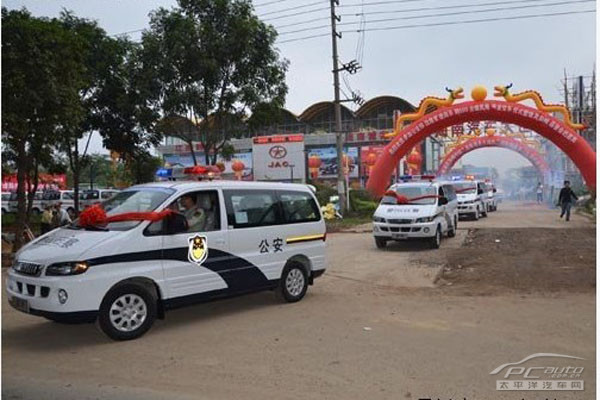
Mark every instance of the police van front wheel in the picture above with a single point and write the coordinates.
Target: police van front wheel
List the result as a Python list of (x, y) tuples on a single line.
[(293, 283), (127, 311), (436, 240), (452, 230)]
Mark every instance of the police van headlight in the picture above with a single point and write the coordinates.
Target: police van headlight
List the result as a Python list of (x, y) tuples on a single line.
[(424, 219), (378, 219), (66, 268)]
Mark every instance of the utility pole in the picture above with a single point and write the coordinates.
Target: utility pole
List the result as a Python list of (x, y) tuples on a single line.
[(339, 138)]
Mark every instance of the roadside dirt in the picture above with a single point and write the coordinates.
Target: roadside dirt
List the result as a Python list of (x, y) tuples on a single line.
[(497, 261)]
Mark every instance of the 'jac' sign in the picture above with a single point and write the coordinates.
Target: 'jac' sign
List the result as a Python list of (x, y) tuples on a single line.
[(277, 158)]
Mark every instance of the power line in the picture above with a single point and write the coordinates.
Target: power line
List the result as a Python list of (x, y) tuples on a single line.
[(444, 15), (442, 24), (361, 14), (496, 3), (389, 28), (291, 8), (269, 3), (327, 8)]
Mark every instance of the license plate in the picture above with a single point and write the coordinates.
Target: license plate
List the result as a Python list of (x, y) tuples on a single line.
[(399, 235), (19, 304)]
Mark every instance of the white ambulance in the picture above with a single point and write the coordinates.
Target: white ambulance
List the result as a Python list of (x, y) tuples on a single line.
[(222, 238), (472, 198), (416, 209)]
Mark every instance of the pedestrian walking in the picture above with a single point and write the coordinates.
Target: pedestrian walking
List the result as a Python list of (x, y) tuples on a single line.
[(565, 200), (540, 193), (46, 220)]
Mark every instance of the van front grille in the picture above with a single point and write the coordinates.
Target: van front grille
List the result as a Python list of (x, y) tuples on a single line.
[(26, 268)]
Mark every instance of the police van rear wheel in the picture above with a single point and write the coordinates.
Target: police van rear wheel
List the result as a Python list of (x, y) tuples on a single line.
[(293, 283), (127, 312)]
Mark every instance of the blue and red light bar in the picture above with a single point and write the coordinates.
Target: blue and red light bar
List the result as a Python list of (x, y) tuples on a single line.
[(407, 178)]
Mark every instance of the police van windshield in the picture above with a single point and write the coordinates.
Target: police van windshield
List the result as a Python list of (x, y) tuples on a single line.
[(134, 200), (465, 188), (412, 194)]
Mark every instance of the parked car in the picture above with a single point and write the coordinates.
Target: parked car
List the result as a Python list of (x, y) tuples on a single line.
[(66, 197), (95, 196), (36, 207)]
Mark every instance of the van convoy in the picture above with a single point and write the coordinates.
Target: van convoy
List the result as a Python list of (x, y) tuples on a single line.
[(159, 246), (416, 209)]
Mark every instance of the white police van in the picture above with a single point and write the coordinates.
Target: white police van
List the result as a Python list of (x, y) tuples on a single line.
[(416, 209), (472, 198), (221, 239)]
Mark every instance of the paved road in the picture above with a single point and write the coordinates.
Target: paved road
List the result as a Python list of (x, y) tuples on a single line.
[(373, 327)]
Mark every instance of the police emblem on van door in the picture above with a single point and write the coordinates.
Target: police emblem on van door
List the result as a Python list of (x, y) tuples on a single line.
[(198, 249)]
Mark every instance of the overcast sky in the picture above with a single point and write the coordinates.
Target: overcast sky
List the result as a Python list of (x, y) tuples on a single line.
[(410, 62)]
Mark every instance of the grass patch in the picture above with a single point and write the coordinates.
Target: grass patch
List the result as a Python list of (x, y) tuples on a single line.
[(347, 222)]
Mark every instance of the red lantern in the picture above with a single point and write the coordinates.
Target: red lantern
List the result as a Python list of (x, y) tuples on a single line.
[(314, 163), (370, 161), (238, 169)]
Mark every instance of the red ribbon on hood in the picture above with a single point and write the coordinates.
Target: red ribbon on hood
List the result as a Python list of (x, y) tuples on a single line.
[(401, 199), (96, 216)]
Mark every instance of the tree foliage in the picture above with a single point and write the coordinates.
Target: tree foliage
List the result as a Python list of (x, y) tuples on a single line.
[(212, 61)]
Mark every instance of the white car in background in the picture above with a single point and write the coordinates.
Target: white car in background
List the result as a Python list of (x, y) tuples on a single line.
[(95, 196), (36, 207)]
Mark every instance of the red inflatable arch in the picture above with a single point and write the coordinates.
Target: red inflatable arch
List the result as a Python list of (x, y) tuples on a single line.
[(479, 142), (567, 139)]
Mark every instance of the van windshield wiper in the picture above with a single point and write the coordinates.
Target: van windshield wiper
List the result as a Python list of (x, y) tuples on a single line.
[(89, 227)]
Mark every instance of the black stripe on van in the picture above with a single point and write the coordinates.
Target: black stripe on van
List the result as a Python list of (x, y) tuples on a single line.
[(238, 273)]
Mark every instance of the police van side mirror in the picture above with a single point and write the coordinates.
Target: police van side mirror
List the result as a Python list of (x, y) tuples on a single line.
[(479, 191), (494, 190), (443, 201), (175, 223)]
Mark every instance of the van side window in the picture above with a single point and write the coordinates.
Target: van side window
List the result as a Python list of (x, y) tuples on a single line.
[(299, 207), (107, 195), (250, 208)]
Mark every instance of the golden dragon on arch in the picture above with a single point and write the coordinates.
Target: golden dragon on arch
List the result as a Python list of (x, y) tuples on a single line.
[(427, 102), (502, 91)]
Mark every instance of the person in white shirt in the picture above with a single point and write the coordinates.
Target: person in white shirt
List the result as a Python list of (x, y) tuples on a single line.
[(540, 193)]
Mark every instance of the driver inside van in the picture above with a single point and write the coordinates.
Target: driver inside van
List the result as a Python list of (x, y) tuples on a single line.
[(196, 217)]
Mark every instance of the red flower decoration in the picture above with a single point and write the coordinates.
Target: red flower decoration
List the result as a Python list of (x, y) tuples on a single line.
[(92, 216)]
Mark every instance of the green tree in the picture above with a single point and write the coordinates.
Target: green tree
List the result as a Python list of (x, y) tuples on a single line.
[(213, 61), (40, 92), (99, 54)]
